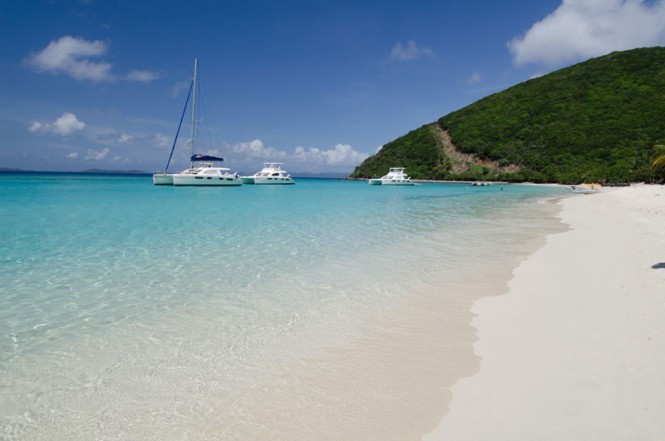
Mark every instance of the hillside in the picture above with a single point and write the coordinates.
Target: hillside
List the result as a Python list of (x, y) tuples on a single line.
[(594, 121)]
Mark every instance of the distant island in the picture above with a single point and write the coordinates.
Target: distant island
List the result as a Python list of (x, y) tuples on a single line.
[(322, 175), (599, 121), (90, 171)]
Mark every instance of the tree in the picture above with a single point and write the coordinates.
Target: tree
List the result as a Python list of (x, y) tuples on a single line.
[(659, 157)]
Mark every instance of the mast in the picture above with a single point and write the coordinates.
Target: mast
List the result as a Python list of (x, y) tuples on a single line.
[(196, 65)]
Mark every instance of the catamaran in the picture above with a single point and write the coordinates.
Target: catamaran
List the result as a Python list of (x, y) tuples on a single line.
[(203, 169)]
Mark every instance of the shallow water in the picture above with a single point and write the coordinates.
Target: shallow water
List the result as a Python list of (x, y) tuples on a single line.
[(130, 311)]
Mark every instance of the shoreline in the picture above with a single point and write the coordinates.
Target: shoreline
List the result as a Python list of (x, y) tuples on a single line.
[(574, 349)]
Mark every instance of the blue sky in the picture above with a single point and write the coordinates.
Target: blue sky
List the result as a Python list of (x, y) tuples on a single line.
[(317, 85)]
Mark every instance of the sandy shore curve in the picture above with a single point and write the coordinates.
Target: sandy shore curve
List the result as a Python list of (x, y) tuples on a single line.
[(576, 348)]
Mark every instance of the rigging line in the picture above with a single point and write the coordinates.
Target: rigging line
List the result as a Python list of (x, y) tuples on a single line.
[(179, 126)]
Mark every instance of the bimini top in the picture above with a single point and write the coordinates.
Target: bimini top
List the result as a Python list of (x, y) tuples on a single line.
[(205, 158)]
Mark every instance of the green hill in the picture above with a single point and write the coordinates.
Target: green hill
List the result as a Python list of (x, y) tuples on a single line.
[(594, 121)]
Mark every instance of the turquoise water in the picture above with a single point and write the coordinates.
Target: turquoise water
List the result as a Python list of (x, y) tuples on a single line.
[(119, 298)]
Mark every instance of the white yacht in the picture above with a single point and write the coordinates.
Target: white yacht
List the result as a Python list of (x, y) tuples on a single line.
[(206, 173), (395, 176), (202, 170), (271, 174)]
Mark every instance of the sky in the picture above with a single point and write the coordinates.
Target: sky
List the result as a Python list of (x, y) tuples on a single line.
[(317, 85)]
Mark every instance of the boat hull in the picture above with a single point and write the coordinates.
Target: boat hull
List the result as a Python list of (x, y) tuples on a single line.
[(206, 181), (162, 179), (397, 183), (390, 182), (395, 176), (280, 180)]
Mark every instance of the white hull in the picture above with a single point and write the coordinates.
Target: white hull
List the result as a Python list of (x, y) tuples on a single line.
[(267, 181), (202, 171), (395, 176), (162, 179), (272, 174), (396, 182), (180, 180)]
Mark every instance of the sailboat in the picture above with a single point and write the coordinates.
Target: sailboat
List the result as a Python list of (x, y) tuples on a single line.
[(166, 178), (203, 169)]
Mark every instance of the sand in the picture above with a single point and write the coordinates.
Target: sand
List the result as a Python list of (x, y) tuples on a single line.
[(576, 349)]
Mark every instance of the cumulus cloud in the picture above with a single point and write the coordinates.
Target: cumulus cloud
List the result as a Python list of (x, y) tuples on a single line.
[(256, 149), (252, 153), (65, 125), (581, 29), (72, 155), (410, 51), (74, 56), (97, 155), (71, 56), (342, 155)]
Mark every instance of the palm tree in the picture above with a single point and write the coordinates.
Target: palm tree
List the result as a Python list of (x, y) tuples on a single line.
[(658, 164), (659, 158)]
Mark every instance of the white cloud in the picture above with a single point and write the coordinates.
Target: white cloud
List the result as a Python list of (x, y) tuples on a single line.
[(112, 138), (251, 154), (65, 125), (143, 76), (342, 155), (475, 78), (72, 155), (124, 138), (410, 52), (179, 87), (95, 155), (581, 29), (121, 160), (163, 141), (72, 56), (256, 149)]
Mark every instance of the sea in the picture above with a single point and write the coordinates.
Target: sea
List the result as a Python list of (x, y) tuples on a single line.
[(324, 310)]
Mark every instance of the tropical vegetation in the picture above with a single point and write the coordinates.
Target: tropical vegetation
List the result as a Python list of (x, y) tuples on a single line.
[(602, 120)]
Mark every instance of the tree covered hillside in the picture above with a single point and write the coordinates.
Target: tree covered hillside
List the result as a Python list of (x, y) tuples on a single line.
[(595, 121)]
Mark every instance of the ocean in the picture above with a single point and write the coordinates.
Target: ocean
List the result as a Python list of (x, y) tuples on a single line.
[(326, 310)]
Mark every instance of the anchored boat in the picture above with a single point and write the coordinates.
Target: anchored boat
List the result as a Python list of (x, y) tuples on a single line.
[(203, 169), (395, 176), (271, 174)]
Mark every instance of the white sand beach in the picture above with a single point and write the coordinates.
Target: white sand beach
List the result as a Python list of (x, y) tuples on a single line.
[(576, 349)]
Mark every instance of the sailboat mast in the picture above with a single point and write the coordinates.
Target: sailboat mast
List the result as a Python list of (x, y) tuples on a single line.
[(196, 65)]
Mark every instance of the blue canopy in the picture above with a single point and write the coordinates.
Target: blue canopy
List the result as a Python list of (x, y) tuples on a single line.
[(205, 158)]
